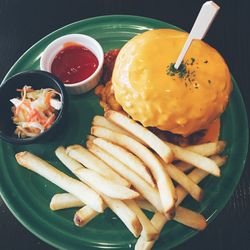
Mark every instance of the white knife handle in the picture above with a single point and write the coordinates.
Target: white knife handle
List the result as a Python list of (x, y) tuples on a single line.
[(204, 20), (201, 25)]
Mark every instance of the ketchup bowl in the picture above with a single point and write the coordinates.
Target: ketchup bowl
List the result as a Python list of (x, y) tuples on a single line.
[(76, 59)]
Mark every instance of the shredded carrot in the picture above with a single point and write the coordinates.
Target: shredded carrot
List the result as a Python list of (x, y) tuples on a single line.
[(36, 116), (48, 98), (32, 116), (50, 121), (27, 104)]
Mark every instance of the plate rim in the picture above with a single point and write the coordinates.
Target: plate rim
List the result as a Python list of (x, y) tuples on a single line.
[(139, 18)]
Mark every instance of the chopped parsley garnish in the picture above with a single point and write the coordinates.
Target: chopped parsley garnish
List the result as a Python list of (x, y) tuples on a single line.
[(188, 76), (180, 72)]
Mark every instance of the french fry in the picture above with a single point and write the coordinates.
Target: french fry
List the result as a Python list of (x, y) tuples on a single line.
[(91, 137), (182, 215), (86, 213), (141, 244), (219, 160), (164, 183), (149, 193), (149, 232), (140, 197), (104, 122), (128, 217), (69, 162), (90, 161), (105, 186), (195, 159), (64, 200), (183, 166), (190, 218), (192, 188), (84, 216), (145, 205), (159, 220), (208, 149), (71, 185), (67, 200), (142, 133), (197, 175), (130, 160)]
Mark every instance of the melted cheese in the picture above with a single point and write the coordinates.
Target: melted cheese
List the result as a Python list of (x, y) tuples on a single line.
[(147, 91)]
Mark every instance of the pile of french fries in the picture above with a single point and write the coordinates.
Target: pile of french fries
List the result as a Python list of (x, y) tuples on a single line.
[(128, 169)]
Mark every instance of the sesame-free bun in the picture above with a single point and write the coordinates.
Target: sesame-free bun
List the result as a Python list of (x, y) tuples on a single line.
[(151, 92)]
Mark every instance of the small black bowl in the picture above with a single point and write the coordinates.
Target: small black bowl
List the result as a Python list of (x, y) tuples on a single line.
[(37, 79)]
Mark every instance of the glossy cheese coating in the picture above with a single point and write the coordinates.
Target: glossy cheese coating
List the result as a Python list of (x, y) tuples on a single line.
[(181, 102)]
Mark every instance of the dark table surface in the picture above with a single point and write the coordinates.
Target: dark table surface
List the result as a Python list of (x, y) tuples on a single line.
[(22, 23)]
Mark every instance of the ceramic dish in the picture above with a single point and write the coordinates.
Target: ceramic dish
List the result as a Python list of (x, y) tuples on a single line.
[(28, 195), (53, 49)]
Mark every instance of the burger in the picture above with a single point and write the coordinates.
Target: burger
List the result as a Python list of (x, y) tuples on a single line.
[(182, 105)]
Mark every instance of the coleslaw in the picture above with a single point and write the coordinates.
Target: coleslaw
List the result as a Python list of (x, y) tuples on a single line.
[(35, 111)]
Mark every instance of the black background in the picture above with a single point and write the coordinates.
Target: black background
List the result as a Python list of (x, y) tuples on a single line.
[(22, 23)]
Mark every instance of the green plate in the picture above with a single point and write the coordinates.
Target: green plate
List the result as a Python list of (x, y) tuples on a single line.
[(28, 195)]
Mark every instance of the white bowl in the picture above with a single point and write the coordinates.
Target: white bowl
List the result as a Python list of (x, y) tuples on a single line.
[(52, 50)]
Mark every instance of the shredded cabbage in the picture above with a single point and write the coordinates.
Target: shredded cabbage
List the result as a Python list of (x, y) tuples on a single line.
[(35, 111)]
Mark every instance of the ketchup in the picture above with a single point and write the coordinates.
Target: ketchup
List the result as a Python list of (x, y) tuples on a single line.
[(109, 63), (74, 63)]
